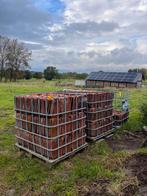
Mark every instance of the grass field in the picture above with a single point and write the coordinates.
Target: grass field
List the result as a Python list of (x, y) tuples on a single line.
[(33, 177)]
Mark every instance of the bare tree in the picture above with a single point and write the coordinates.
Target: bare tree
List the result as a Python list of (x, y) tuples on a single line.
[(14, 56), (17, 59), (4, 42)]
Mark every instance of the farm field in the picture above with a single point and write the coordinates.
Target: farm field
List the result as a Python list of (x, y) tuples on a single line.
[(101, 169)]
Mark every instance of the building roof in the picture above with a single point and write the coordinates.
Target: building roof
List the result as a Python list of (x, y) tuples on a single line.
[(129, 77)]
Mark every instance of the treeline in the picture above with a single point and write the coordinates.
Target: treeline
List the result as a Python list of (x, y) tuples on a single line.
[(14, 57), (27, 75), (50, 73), (142, 70), (73, 75)]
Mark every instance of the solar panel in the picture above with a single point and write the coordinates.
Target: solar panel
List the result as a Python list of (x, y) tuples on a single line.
[(131, 77)]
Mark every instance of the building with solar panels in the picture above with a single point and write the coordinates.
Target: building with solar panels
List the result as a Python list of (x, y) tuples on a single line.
[(114, 79)]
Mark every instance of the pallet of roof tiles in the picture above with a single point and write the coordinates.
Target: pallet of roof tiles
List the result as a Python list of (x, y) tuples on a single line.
[(120, 117), (99, 120), (50, 126), (99, 113)]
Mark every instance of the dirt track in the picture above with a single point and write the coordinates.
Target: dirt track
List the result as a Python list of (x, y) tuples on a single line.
[(136, 165), (129, 141), (135, 168)]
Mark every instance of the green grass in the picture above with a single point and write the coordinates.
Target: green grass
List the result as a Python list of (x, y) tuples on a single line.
[(92, 169), (142, 150), (25, 174)]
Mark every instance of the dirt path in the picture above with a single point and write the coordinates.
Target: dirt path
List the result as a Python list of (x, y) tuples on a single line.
[(135, 168), (128, 141), (136, 165), (96, 188)]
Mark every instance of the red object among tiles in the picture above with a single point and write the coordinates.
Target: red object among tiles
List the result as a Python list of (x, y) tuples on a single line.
[(120, 117)]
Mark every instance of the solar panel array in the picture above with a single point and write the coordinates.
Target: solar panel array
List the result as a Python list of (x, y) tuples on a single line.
[(130, 77)]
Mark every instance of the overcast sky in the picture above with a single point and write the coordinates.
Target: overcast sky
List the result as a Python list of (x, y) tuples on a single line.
[(79, 35)]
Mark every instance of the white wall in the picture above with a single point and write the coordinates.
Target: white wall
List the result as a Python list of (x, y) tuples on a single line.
[(80, 83)]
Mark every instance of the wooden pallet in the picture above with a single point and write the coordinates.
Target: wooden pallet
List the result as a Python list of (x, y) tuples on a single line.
[(101, 136), (51, 162)]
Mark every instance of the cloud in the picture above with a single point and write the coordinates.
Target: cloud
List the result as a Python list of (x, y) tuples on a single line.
[(92, 27), (86, 61), (21, 19), (78, 35)]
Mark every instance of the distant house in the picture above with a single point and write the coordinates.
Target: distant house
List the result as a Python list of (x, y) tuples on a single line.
[(114, 79)]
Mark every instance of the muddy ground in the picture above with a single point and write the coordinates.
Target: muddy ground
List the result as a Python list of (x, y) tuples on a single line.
[(96, 188), (128, 141), (135, 168)]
